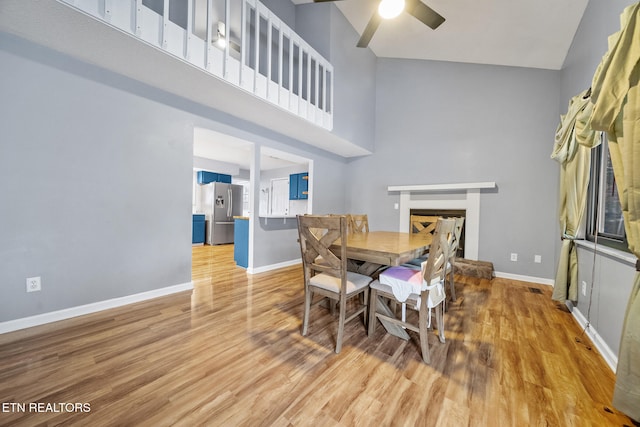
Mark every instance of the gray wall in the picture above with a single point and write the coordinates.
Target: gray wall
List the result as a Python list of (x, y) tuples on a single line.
[(285, 10), (444, 122), (607, 284), (326, 29), (95, 188), (314, 26), (355, 84), (607, 291)]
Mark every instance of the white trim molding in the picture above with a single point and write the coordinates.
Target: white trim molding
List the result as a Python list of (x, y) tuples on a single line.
[(522, 278), (68, 313), (271, 267), (607, 354), (442, 187), (459, 196)]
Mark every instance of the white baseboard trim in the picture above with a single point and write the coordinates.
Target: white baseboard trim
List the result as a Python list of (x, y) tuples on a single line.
[(604, 349), (270, 267), (522, 278), (67, 313)]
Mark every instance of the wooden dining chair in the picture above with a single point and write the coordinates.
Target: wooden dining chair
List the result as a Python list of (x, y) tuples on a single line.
[(325, 273), (454, 245), (358, 223), (422, 289), (453, 251), (421, 224)]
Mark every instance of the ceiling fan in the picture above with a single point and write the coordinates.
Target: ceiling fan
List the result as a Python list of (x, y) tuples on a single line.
[(388, 9)]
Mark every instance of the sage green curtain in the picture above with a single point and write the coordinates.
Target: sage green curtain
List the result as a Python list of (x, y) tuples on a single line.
[(616, 95), (572, 149)]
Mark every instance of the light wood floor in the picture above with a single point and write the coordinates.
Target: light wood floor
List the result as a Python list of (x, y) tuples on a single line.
[(230, 353)]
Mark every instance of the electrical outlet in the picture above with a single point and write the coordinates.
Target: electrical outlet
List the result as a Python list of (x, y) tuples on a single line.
[(514, 257), (396, 206), (584, 288), (34, 284), (537, 259)]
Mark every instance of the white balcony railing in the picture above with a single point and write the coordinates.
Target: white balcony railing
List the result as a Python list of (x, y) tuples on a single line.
[(240, 41)]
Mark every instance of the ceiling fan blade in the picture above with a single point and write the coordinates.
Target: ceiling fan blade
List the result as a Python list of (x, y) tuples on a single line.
[(369, 30), (424, 13), (323, 1)]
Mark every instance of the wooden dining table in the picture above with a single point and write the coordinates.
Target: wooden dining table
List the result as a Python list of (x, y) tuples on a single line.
[(371, 252), (377, 249)]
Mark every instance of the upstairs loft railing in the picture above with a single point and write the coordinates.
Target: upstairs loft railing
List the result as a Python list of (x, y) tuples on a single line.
[(240, 41)]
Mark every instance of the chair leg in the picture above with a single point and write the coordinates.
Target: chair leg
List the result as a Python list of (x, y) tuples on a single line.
[(373, 301), (424, 333), (343, 313), (440, 320), (308, 296), (332, 306), (366, 307), (452, 285)]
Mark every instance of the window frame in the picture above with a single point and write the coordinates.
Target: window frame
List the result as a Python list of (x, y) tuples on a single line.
[(595, 194)]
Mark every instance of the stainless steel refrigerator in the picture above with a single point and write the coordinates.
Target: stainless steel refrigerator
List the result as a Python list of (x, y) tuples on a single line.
[(220, 202)]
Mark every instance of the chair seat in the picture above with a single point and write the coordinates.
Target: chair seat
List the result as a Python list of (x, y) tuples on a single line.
[(407, 284), (355, 282)]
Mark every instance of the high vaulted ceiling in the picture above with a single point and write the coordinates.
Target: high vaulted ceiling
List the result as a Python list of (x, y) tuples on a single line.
[(521, 33)]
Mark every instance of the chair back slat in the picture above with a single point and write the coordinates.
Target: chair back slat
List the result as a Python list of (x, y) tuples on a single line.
[(457, 232), (421, 224), (358, 223), (436, 265)]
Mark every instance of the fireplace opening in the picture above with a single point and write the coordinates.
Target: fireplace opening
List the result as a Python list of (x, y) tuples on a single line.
[(445, 213)]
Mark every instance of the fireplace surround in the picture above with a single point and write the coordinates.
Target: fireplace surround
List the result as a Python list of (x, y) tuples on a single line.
[(459, 196)]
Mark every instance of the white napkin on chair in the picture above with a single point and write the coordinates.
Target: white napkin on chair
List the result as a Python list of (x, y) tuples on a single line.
[(406, 281), (403, 281)]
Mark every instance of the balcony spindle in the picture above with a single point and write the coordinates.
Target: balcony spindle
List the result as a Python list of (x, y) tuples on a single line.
[(165, 24), (209, 34), (137, 27), (107, 10)]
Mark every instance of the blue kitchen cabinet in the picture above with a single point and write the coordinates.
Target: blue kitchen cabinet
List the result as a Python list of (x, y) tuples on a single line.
[(197, 229), (224, 178), (293, 186), (303, 186), (241, 242), (299, 186), (206, 177)]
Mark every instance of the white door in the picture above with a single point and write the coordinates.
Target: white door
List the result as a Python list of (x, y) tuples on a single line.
[(279, 196)]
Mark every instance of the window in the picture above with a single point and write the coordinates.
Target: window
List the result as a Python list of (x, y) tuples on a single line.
[(604, 214)]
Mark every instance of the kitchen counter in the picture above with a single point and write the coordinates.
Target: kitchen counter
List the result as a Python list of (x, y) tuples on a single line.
[(198, 229), (241, 241)]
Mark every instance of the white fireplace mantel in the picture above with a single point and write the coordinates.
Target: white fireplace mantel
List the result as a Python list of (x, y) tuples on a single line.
[(460, 196)]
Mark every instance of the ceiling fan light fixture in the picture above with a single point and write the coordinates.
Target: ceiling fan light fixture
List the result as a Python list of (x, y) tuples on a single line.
[(389, 9)]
